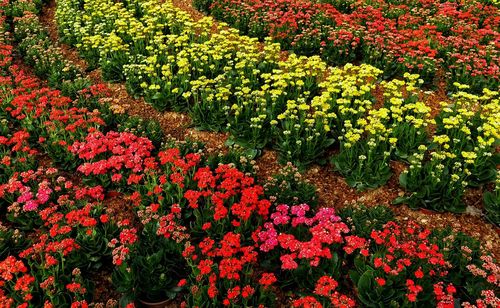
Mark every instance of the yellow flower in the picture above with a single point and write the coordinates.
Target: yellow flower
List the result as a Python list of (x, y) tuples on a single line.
[(303, 107), (441, 139), (469, 156)]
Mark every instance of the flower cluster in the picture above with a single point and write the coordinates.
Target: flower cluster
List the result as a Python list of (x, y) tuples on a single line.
[(118, 157), (15, 278), (324, 227), (48, 61), (16, 154), (461, 153), (52, 226)]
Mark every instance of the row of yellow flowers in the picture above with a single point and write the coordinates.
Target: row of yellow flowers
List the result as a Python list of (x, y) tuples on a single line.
[(230, 82)]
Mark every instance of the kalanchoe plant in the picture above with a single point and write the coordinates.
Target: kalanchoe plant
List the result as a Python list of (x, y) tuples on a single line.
[(12, 241), (237, 156), (47, 60), (149, 263), (402, 268), (472, 271), (435, 184), (16, 280), (362, 220), (365, 164), (289, 187), (16, 154), (211, 202), (300, 245), (93, 229), (150, 129), (222, 272), (462, 153), (114, 158), (325, 294), (46, 259), (27, 193)]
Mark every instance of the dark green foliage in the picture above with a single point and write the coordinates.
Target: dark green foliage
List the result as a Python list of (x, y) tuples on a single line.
[(289, 187), (363, 219)]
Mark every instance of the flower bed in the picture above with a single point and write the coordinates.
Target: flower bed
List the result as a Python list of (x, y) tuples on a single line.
[(191, 227), (300, 106), (404, 36)]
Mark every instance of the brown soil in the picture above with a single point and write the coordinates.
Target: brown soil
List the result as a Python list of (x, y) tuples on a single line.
[(186, 5), (332, 189)]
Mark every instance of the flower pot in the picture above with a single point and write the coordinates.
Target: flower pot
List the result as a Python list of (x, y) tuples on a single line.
[(161, 304)]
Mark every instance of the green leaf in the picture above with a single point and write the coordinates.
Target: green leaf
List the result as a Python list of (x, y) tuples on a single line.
[(403, 179), (229, 142), (157, 95), (252, 153), (400, 200)]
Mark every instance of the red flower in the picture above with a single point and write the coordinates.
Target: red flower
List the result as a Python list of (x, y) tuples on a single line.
[(354, 242), (267, 279), (342, 301), (182, 283), (205, 266), (307, 302), (288, 262), (233, 293), (247, 291), (412, 297), (380, 281), (75, 288), (104, 218), (419, 274), (325, 286), (230, 268), (128, 236), (192, 196), (24, 283)]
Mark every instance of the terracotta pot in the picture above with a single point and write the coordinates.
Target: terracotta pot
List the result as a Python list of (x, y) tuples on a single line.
[(161, 304)]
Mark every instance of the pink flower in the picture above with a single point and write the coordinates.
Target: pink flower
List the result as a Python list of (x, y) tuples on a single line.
[(31, 205)]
